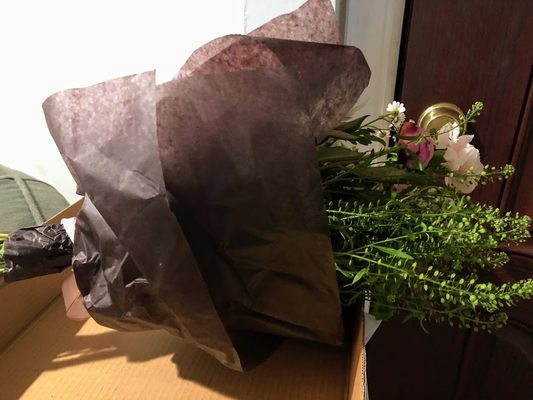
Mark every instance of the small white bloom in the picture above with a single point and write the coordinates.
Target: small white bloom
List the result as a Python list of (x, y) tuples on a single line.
[(396, 107), (398, 110)]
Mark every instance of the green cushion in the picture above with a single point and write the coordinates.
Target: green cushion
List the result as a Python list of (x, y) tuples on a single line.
[(26, 201)]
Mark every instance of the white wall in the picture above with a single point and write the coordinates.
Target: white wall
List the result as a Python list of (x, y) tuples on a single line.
[(257, 12), (46, 46), (375, 26)]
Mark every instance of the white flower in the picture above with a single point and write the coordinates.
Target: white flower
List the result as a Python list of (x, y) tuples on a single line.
[(398, 110), (396, 107), (464, 161)]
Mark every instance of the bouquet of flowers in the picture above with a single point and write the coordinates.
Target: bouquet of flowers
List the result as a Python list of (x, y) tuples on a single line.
[(405, 233), (204, 208)]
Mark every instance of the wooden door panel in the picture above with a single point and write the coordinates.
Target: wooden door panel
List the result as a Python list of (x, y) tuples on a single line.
[(500, 366), (518, 190), (404, 362), (463, 51), (491, 369), (460, 52)]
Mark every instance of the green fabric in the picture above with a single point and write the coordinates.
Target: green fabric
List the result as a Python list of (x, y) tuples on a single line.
[(26, 201)]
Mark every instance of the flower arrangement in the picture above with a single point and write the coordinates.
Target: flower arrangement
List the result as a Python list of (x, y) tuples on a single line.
[(406, 236), (204, 202)]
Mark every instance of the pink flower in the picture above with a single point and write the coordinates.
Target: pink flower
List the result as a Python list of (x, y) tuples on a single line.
[(399, 187), (449, 133), (462, 159), (424, 149)]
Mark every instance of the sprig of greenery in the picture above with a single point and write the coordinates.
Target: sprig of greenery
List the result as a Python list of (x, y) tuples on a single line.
[(464, 120), (421, 254), (405, 241), (470, 117)]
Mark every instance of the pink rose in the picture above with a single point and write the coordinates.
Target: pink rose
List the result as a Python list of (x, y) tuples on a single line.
[(424, 149)]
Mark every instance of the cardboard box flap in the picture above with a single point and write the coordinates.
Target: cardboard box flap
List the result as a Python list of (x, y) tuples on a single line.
[(21, 302), (54, 357), (356, 374), (62, 359)]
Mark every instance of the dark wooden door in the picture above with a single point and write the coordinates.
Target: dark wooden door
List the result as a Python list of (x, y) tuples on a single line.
[(459, 52)]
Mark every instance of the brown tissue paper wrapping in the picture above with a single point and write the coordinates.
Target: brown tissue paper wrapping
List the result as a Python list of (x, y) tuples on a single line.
[(204, 213)]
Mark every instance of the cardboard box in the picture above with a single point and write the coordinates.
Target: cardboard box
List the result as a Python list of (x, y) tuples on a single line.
[(46, 356)]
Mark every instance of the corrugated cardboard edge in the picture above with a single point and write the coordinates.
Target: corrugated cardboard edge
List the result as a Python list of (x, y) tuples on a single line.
[(355, 385), (21, 302)]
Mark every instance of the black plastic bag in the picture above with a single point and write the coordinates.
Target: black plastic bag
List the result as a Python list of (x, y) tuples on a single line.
[(36, 251)]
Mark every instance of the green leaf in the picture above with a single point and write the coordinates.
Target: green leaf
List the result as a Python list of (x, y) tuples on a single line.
[(340, 135), (352, 126), (382, 311), (379, 140), (385, 173), (415, 158), (359, 275), (393, 252), (364, 140), (347, 274), (334, 154), (407, 318)]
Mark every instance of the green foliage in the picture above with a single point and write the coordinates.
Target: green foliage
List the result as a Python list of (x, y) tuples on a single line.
[(421, 248), (353, 125), (421, 253), (471, 115)]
